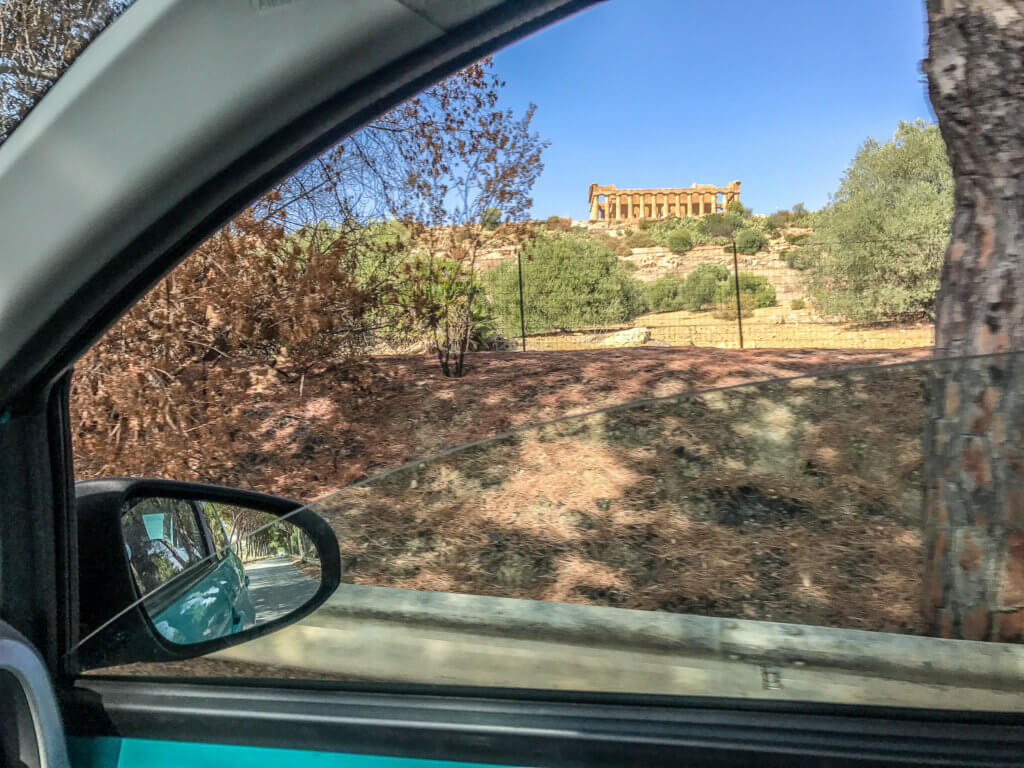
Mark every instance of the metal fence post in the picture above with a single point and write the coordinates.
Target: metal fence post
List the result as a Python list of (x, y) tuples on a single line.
[(522, 311), (736, 277)]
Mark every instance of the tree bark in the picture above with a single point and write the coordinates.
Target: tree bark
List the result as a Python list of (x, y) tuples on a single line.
[(974, 474)]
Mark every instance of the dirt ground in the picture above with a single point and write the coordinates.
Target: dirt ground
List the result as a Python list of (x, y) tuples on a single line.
[(309, 444), (791, 501), (794, 501)]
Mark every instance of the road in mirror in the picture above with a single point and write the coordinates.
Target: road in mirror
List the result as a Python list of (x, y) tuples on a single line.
[(206, 570)]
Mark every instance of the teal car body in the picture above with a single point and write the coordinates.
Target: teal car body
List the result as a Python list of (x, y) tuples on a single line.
[(218, 604), (193, 590)]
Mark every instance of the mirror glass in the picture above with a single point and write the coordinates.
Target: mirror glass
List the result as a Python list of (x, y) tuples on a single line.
[(206, 569)]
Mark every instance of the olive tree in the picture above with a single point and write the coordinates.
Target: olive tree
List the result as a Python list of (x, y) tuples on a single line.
[(877, 248)]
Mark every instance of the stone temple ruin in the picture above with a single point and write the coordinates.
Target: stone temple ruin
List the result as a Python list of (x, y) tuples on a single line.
[(610, 204)]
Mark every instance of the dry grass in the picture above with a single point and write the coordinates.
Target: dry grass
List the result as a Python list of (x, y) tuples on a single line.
[(642, 509), (782, 502)]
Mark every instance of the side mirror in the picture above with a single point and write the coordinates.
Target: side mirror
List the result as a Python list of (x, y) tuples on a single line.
[(171, 571)]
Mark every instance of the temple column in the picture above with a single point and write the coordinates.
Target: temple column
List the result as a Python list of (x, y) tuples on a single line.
[(593, 208)]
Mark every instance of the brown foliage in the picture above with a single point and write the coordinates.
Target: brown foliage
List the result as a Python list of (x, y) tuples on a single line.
[(171, 376), (307, 280)]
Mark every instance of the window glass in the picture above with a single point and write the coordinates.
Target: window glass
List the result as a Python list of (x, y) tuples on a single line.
[(762, 541), (163, 539), (658, 436)]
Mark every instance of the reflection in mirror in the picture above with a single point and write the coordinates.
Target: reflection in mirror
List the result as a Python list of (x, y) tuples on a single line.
[(207, 569)]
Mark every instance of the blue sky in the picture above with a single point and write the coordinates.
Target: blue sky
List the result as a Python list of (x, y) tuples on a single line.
[(665, 93)]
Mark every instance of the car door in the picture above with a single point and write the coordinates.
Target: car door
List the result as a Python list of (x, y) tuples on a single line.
[(212, 125)]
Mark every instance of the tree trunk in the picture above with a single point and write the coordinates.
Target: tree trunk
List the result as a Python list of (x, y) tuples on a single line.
[(974, 493)]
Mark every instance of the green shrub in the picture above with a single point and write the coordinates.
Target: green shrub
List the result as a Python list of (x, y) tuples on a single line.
[(797, 304), (794, 239), (694, 292), (722, 224), (701, 285), (569, 281), (726, 310), (440, 289), (761, 292), (750, 240), (797, 259), (661, 229), (666, 294), (680, 241), (490, 218), (738, 208)]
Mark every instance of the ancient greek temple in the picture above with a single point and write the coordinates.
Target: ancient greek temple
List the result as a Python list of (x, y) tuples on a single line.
[(610, 204)]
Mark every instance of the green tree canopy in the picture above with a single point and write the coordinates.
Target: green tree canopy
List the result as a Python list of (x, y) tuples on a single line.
[(877, 248), (569, 281)]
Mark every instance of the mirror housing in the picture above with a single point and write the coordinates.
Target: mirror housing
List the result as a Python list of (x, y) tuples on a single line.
[(107, 585)]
